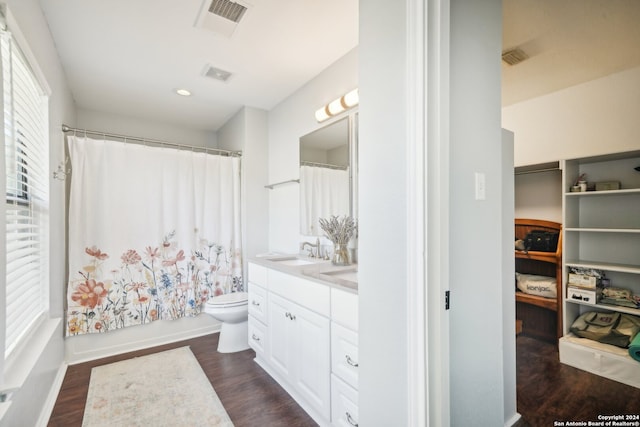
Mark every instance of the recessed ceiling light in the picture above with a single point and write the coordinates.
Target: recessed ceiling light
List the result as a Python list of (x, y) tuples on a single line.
[(183, 92)]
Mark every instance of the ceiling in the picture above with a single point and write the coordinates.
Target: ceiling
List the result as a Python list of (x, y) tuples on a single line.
[(128, 57), (568, 42)]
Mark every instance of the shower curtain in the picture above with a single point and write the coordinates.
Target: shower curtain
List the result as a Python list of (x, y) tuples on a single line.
[(323, 192), (153, 233)]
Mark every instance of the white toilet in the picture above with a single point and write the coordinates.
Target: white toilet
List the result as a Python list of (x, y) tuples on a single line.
[(232, 310)]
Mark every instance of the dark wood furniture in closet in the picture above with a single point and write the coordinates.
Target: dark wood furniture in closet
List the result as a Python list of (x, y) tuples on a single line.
[(540, 317)]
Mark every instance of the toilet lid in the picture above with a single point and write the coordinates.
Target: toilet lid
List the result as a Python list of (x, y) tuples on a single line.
[(229, 300)]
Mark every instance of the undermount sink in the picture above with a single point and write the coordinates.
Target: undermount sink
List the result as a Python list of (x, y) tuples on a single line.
[(342, 276), (292, 260), (350, 275)]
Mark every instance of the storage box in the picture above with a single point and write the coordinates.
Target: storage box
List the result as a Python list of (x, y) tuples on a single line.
[(607, 185), (584, 296), (583, 280)]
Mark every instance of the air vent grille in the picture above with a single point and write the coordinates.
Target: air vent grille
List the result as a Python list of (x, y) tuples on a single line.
[(216, 73), (514, 56), (228, 10)]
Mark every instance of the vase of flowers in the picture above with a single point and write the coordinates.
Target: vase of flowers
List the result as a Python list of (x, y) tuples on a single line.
[(339, 230)]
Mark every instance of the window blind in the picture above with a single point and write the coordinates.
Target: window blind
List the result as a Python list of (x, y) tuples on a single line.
[(27, 194)]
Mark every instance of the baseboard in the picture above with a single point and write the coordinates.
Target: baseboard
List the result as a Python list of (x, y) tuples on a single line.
[(47, 409), (513, 420), (141, 344)]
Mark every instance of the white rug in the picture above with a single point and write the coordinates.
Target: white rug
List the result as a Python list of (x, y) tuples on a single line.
[(162, 389)]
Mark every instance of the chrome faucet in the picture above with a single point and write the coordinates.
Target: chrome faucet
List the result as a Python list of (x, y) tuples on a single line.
[(311, 246)]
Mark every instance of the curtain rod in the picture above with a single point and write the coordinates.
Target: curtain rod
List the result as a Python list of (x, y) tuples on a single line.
[(229, 153), (323, 165)]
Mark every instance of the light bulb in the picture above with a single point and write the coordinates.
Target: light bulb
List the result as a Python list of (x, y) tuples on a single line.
[(322, 114), (351, 99), (335, 107)]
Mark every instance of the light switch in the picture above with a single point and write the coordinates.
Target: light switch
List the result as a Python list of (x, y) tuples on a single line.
[(481, 189)]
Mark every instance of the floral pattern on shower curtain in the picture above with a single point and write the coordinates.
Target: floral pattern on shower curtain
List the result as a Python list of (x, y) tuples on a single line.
[(153, 233)]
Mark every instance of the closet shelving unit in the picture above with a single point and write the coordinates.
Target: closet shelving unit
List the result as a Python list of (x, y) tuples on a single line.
[(602, 232), (541, 317)]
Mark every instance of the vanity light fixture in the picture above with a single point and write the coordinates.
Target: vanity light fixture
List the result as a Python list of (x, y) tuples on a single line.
[(337, 106)]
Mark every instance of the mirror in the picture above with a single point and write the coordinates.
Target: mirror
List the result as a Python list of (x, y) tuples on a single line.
[(327, 174)]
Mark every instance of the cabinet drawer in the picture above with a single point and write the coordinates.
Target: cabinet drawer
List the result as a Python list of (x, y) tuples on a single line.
[(257, 336), (308, 294), (344, 354), (344, 404), (258, 302), (258, 274), (344, 308)]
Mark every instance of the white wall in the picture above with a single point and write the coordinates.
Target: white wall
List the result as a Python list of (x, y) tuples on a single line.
[(28, 401), (123, 125), (508, 269), (476, 240), (592, 118), (247, 131), (383, 199), (539, 196), (597, 117), (288, 121)]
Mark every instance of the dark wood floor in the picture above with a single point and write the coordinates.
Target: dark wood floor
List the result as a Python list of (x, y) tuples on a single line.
[(547, 390), (250, 396)]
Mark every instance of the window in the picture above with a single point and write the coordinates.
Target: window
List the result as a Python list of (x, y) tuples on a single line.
[(27, 193)]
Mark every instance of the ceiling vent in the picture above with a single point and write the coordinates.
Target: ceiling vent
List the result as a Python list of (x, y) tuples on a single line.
[(221, 16), (228, 10), (514, 56), (216, 73)]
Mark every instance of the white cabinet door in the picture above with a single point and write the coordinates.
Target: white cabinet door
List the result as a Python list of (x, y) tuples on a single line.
[(299, 350), (281, 336), (313, 355)]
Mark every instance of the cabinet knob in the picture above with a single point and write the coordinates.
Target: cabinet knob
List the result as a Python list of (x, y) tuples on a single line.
[(351, 362), (290, 316), (351, 420), (254, 337), (257, 304)]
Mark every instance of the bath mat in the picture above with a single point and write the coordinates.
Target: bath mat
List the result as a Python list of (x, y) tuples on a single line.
[(162, 389)]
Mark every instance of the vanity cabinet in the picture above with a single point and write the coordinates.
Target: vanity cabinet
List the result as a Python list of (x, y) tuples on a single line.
[(257, 318), (305, 336), (257, 328), (602, 232), (299, 350), (344, 358)]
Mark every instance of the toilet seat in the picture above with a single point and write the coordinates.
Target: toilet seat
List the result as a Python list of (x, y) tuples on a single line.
[(233, 299)]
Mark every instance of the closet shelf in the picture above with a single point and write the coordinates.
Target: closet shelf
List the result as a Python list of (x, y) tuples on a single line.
[(548, 303), (603, 233), (602, 230), (603, 193), (621, 268), (541, 317), (617, 308), (551, 257)]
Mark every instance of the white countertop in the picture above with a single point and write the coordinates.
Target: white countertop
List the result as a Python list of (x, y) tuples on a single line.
[(321, 271)]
